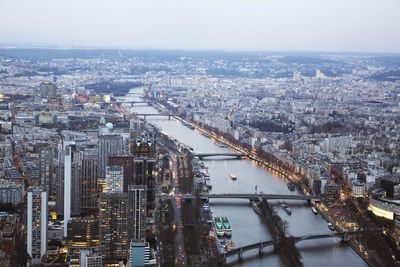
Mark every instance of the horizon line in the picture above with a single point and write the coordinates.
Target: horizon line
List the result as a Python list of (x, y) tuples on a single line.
[(9, 45)]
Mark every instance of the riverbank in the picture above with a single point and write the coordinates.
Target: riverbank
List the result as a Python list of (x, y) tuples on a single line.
[(285, 245), (254, 174), (323, 213)]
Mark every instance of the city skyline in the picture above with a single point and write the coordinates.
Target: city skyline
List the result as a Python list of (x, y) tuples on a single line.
[(199, 133), (340, 26)]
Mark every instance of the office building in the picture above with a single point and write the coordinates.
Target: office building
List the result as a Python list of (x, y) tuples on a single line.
[(138, 210), (139, 254), (36, 224), (114, 179), (68, 197), (67, 184), (144, 175), (143, 145), (109, 144), (89, 182), (83, 232), (127, 162), (90, 258), (114, 225), (47, 170)]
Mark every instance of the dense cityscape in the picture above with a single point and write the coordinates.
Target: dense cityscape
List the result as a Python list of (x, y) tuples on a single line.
[(170, 158)]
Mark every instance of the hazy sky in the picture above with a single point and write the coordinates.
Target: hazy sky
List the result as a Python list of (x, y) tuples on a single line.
[(270, 25)]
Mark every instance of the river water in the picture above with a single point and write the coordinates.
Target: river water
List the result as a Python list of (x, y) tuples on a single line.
[(247, 226)]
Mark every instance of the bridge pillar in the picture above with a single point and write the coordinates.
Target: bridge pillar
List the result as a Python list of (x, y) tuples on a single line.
[(260, 249), (169, 117), (344, 238), (223, 260), (240, 255), (276, 245)]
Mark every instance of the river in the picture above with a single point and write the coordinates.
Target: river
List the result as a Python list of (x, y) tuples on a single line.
[(247, 226)]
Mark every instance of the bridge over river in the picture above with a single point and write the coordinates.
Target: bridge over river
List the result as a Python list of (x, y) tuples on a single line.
[(208, 155), (261, 245), (252, 196)]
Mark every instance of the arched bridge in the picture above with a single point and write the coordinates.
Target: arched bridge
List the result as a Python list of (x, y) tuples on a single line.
[(262, 196), (261, 245), (207, 155)]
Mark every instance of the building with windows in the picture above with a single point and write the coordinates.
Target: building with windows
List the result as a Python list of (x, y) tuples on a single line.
[(358, 189), (90, 258), (138, 210), (114, 179), (36, 224), (11, 192), (47, 169), (139, 254), (83, 232), (127, 162), (144, 175), (89, 181), (109, 144), (114, 225)]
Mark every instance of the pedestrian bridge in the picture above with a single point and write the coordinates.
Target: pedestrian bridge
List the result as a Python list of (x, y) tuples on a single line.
[(261, 195), (208, 155)]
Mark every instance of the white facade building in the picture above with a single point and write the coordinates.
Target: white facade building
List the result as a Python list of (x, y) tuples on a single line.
[(67, 183), (114, 179), (36, 224)]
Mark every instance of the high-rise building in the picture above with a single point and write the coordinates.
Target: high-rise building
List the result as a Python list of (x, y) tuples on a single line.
[(143, 145), (139, 254), (83, 232), (89, 182), (144, 175), (136, 127), (109, 144), (36, 224), (114, 225), (127, 163), (68, 197), (67, 185), (47, 170), (90, 258), (138, 211), (114, 179)]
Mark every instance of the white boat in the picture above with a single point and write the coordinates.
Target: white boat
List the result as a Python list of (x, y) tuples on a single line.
[(220, 233), (331, 226), (286, 208), (314, 210), (233, 177)]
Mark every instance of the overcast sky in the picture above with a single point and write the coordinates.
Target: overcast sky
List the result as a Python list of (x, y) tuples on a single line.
[(268, 25)]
